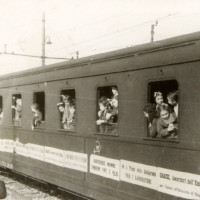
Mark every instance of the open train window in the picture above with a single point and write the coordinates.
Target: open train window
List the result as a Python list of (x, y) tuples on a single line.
[(38, 109), (16, 109), (1, 110), (67, 109), (161, 110), (107, 110)]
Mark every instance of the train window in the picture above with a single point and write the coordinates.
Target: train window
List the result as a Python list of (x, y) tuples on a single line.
[(38, 109), (16, 109), (107, 110), (67, 109), (1, 109), (162, 109)]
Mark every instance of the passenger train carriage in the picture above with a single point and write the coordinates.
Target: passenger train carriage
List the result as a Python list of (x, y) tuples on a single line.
[(115, 158)]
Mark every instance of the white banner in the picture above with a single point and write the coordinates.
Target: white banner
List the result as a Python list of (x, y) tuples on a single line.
[(21, 149), (105, 167), (2, 145), (54, 156), (139, 174), (172, 182), (63, 158), (36, 151), (6, 145), (75, 160), (176, 183), (179, 184)]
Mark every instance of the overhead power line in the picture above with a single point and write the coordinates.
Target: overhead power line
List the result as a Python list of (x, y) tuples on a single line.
[(33, 56), (99, 21), (126, 29), (117, 33), (98, 37)]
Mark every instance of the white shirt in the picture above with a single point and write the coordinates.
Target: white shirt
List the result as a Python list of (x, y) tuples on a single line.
[(176, 110)]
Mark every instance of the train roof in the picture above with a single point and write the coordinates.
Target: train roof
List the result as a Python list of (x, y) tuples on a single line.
[(129, 51)]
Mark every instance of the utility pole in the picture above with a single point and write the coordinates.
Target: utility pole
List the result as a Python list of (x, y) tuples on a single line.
[(43, 40), (152, 30), (5, 50)]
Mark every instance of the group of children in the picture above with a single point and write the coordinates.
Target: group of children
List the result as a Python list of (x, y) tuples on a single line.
[(17, 107), (67, 110), (108, 112), (162, 117), (37, 116)]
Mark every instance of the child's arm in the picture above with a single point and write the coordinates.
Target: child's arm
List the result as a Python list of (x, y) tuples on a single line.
[(38, 118), (13, 107), (100, 121), (162, 131), (153, 128)]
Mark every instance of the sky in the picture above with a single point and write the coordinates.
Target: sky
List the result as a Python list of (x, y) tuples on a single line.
[(87, 26)]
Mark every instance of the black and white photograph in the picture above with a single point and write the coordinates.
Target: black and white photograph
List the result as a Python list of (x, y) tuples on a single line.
[(100, 99)]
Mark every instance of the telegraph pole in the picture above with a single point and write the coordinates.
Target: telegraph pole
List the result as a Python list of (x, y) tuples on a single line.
[(43, 40), (5, 46), (152, 30)]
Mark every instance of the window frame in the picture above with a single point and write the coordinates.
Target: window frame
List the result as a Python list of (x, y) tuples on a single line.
[(44, 114), (97, 109), (60, 118), (12, 111), (147, 100)]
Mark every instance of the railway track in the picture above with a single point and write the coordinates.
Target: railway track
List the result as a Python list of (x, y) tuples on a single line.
[(20, 187)]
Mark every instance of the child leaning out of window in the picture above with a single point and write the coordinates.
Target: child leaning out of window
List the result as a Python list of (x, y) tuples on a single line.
[(167, 124), (37, 116)]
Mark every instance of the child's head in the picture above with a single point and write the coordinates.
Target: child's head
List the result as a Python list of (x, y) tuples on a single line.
[(103, 102), (114, 90), (66, 99), (72, 107), (149, 111), (172, 98), (35, 107), (164, 111), (61, 107), (114, 103), (19, 101), (158, 98)]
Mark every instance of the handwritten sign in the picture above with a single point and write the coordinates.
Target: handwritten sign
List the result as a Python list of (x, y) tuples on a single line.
[(59, 157), (36, 151), (139, 174), (172, 182), (1, 145), (105, 167), (179, 184), (6, 145), (21, 149), (176, 183), (54, 156), (68, 159), (75, 160)]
